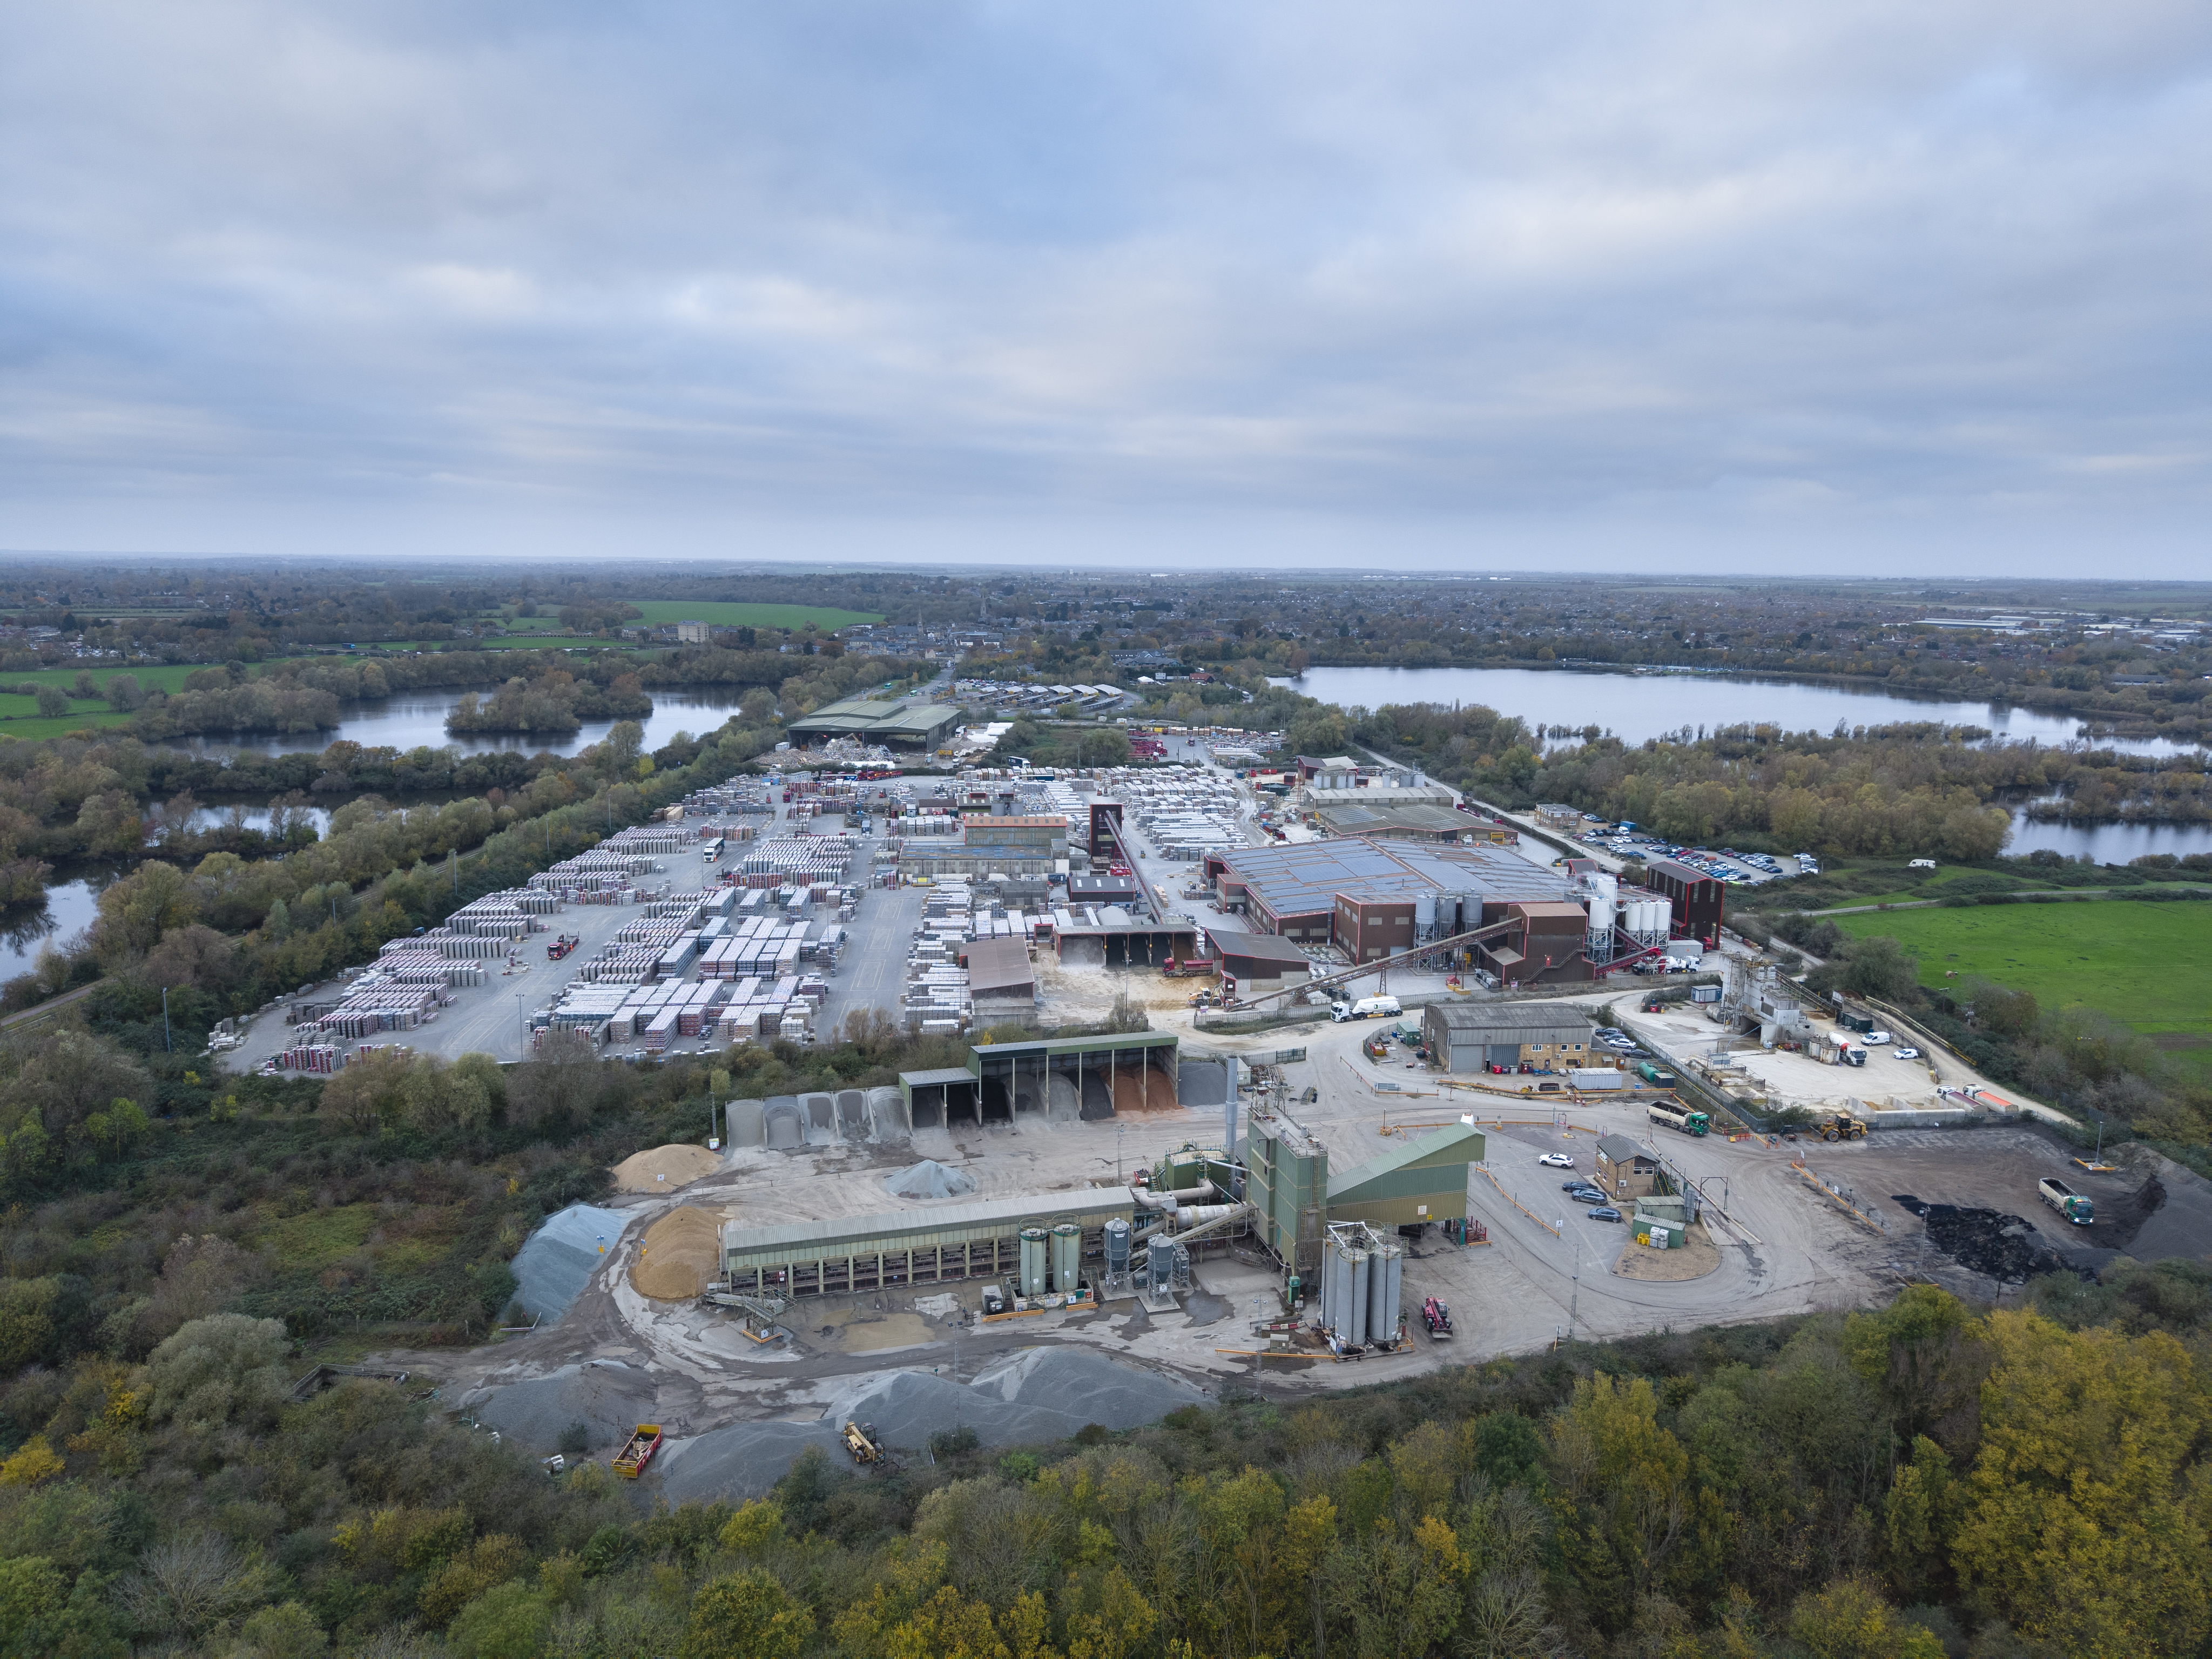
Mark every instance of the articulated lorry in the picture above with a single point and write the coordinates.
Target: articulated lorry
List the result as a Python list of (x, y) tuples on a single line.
[(1678, 1117), (2076, 1208)]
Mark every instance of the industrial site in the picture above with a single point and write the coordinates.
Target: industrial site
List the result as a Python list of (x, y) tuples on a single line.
[(1284, 1081)]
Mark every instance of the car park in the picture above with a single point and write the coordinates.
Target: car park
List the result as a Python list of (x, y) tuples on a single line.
[(1557, 1161)]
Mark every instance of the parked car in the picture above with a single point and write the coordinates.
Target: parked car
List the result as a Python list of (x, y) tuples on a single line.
[(1878, 1037), (1906, 1054), (1576, 1185), (1605, 1212), (1557, 1161), (1589, 1195)]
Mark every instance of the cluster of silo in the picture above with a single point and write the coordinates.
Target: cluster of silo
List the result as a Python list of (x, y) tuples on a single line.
[(1052, 1259), (1604, 905), (1647, 920), (1363, 1279)]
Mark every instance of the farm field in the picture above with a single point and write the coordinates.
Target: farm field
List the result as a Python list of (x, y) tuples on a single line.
[(2146, 965), (731, 614)]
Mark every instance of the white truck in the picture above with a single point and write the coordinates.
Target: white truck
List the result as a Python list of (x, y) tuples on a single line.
[(1365, 1008), (1840, 1051), (2076, 1208)]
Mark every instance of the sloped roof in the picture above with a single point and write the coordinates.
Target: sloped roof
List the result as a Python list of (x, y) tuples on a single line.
[(1397, 1172)]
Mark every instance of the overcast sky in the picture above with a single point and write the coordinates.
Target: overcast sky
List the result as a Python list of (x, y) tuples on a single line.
[(1895, 285)]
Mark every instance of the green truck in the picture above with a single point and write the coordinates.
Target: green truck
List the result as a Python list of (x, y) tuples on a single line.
[(1677, 1117), (1657, 1076)]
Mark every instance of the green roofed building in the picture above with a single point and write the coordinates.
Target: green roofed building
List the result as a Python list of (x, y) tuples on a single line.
[(909, 724), (1425, 1179)]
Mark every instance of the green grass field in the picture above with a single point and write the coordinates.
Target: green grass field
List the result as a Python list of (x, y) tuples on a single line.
[(729, 614), (2147, 965)]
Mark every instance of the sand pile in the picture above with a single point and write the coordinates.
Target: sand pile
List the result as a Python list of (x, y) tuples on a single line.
[(678, 1255), (930, 1179), (556, 1261), (1041, 1394), (1143, 1090), (663, 1169)]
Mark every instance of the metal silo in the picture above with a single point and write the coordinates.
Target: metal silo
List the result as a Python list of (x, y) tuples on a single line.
[(1355, 1300), (1033, 1260), (1425, 915), (1384, 1271), (1117, 1246), (1066, 1256)]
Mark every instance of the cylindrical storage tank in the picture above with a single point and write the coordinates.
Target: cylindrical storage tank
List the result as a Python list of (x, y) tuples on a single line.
[(1382, 1305), (1600, 915), (1606, 884), (1394, 1308), (1355, 1300), (1066, 1256), (1425, 915), (1117, 1246), (1033, 1260), (1332, 1283)]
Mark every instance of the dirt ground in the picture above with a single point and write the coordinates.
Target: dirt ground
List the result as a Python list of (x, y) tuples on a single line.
[(1698, 1256), (663, 1169)]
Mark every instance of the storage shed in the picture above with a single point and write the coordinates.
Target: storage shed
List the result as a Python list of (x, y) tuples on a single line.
[(1425, 1179)]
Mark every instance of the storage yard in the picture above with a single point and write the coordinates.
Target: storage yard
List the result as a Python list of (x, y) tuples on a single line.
[(977, 1244)]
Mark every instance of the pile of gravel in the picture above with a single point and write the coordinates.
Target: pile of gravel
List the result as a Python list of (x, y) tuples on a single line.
[(556, 1261), (1041, 1394), (930, 1179), (609, 1397)]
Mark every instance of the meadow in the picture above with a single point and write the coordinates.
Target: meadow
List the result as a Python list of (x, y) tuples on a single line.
[(2146, 965), (731, 614)]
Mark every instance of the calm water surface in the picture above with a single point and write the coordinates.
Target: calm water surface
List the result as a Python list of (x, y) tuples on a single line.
[(1635, 707), (418, 720)]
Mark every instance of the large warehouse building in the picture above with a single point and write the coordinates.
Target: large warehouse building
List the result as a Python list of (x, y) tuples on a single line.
[(909, 724), (1370, 899)]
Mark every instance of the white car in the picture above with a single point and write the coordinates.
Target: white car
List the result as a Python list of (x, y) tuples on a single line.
[(1557, 1161), (1905, 1053)]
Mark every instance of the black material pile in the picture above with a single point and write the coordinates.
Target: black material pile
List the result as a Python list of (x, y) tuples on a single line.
[(1988, 1242)]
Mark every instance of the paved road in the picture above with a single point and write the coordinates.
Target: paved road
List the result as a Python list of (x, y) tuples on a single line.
[(873, 967)]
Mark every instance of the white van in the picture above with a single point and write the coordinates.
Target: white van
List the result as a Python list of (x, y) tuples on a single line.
[(1365, 1008)]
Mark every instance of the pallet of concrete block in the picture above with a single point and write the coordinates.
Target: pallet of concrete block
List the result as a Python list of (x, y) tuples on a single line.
[(588, 1005), (661, 1029), (318, 1057), (675, 960), (630, 965), (421, 967)]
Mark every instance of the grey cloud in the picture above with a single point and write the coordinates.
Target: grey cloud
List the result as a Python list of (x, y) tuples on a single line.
[(1884, 281)]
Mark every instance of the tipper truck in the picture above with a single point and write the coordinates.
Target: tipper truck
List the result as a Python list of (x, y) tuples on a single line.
[(2069, 1203)]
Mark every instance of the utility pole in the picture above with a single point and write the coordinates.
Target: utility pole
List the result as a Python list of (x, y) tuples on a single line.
[(167, 1045)]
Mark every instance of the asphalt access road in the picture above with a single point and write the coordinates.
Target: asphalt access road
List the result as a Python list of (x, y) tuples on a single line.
[(872, 967)]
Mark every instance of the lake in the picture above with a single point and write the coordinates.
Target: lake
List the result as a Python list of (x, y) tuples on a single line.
[(70, 908), (1635, 707), (418, 720)]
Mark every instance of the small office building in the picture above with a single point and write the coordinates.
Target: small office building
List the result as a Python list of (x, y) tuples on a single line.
[(1626, 1170)]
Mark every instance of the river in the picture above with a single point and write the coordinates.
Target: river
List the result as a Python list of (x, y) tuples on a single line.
[(418, 720), (1635, 707)]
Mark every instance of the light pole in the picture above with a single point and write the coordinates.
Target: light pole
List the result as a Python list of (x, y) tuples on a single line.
[(522, 1028)]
